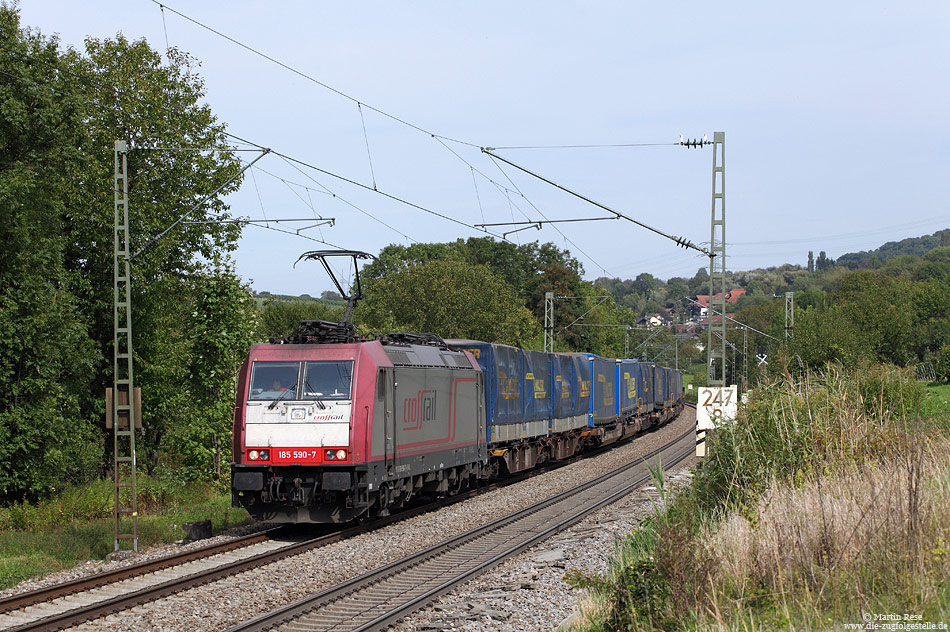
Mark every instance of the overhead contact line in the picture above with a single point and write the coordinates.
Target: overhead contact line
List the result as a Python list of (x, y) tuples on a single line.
[(680, 241)]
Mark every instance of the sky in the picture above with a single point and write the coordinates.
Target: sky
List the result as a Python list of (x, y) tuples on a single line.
[(835, 114)]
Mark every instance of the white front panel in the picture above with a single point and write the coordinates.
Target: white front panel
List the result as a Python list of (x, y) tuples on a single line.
[(297, 435), (297, 424)]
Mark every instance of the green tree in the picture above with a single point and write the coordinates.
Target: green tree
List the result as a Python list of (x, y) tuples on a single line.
[(677, 290), (62, 112), (397, 258), (827, 336), (644, 284), (823, 262), (130, 94), (942, 366), (529, 270), (222, 324), (451, 298), (935, 270), (931, 313), (879, 308), (46, 355), (280, 318)]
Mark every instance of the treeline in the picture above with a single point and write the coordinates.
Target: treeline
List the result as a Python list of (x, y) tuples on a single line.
[(917, 246), (495, 291), (63, 110), (646, 295), (898, 313)]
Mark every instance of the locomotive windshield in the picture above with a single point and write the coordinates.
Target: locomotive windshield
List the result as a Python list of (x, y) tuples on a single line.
[(273, 380), (327, 380), (280, 380)]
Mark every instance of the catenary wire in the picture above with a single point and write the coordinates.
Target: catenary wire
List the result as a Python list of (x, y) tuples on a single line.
[(369, 154), (312, 79), (438, 137), (292, 162), (603, 146), (391, 196), (359, 103), (303, 163), (566, 238)]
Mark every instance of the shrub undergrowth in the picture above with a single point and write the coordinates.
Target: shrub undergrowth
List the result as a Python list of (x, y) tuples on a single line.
[(827, 499)]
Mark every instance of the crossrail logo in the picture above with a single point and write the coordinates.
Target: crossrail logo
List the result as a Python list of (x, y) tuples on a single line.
[(418, 410)]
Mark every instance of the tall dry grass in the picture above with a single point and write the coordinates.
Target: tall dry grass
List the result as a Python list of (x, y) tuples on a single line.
[(799, 428), (827, 498), (869, 537)]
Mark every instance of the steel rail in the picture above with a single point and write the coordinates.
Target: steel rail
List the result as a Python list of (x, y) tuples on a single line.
[(151, 593), (133, 598), (319, 601), (64, 589), (396, 614), (118, 603)]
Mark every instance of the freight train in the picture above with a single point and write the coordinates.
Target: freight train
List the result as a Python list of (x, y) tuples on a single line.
[(334, 427)]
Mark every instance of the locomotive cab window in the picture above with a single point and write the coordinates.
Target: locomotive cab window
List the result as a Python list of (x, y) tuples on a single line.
[(327, 380), (274, 380)]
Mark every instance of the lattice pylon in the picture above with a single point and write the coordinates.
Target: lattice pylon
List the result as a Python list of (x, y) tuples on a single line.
[(716, 332), (123, 389)]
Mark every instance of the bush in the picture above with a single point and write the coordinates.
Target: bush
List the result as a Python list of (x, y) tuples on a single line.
[(942, 368), (828, 497), (789, 430)]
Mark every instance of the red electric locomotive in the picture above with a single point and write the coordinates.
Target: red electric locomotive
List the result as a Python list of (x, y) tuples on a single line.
[(336, 432)]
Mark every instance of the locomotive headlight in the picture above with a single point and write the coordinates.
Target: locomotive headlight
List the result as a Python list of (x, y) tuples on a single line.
[(298, 414), (341, 454), (253, 455), (265, 455), (329, 455)]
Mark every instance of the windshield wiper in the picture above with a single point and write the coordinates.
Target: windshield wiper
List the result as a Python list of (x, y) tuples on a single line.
[(282, 396), (316, 401)]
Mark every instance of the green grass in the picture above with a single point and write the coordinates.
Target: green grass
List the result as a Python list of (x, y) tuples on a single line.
[(828, 498), (77, 525), (936, 404)]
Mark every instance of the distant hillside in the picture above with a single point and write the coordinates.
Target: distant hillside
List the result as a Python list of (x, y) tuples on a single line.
[(918, 246)]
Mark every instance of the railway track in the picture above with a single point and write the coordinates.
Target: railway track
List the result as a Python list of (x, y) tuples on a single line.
[(64, 589), (382, 597), (70, 603), (63, 605), (67, 604)]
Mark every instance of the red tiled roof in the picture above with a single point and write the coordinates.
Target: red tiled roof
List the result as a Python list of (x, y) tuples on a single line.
[(732, 296)]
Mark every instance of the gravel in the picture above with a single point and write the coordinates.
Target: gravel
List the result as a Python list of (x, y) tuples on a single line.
[(525, 593), (94, 567), (528, 592)]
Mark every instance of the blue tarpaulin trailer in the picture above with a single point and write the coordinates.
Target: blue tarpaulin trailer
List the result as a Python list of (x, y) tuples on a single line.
[(631, 384)]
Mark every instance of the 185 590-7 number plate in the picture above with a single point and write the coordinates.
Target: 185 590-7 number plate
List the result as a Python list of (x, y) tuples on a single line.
[(296, 455)]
